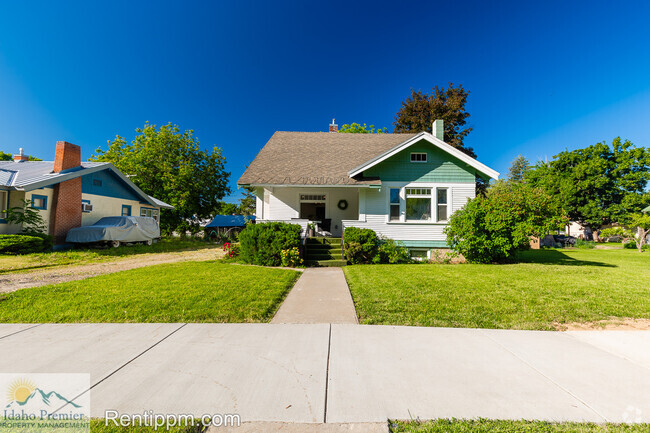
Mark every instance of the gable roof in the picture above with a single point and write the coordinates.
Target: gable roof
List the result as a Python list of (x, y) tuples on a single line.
[(31, 175), (480, 167), (316, 158), (646, 209), (325, 158)]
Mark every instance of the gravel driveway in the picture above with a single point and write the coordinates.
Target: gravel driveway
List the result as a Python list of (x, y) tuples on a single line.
[(10, 282)]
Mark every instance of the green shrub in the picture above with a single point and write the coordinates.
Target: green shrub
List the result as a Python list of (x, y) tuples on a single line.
[(262, 244), (360, 245), (25, 244), (390, 251), (585, 245), (631, 245), (491, 228)]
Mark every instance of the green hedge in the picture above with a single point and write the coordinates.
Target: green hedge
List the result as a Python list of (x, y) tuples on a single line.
[(25, 244), (364, 246), (261, 244)]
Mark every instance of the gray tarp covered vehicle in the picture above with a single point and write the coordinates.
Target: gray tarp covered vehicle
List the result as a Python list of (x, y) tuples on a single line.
[(116, 230)]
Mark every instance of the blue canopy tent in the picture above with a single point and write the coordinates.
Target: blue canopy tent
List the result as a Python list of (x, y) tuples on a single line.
[(227, 225)]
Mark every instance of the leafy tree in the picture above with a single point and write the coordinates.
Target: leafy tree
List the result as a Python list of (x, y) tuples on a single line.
[(597, 185), (419, 111), (356, 128), (491, 228), (227, 209), (169, 165), (518, 169), (30, 218), (639, 223)]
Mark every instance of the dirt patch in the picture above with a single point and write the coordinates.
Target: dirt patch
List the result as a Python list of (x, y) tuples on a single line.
[(10, 282), (615, 324)]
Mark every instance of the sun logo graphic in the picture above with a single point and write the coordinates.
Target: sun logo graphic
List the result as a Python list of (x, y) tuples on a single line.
[(20, 390)]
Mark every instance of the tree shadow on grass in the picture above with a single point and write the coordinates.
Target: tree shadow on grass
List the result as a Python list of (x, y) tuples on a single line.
[(555, 257)]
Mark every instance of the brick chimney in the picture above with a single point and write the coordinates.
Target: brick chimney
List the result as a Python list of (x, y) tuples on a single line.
[(66, 200), (67, 156), (334, 127), (21, 156)]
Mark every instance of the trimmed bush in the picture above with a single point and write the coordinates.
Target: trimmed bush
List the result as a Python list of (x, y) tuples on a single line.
[(262, 244), (390, 251), (360, 245), (25, 244)]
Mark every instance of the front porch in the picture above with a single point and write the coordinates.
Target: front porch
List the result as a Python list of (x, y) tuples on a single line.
[(323, 208)]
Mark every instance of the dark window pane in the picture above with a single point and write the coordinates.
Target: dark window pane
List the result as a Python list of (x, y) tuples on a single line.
[(394, 212), (442, 213), (394, 195), (418, 209), (442, 196)]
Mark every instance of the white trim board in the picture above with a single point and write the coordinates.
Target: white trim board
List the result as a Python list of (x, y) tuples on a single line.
[(436, 142)]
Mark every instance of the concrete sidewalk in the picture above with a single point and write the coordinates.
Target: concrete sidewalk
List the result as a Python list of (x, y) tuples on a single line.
[(342, 374), (321, 295)]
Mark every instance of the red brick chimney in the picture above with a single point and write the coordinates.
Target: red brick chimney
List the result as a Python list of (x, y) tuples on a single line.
[(21, 156), (66, 208), (334, 127), (67, 156)]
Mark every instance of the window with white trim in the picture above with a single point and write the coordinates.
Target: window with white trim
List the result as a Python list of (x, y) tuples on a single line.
[(418, 204), (149, 212), (418, 157), (393, 215), (441, 201)]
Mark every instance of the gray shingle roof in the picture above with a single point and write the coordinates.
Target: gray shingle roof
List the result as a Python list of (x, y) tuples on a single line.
[(21, 174), (29, 175), (317, 158)]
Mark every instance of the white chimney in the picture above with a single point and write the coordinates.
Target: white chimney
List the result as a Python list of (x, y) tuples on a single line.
[(21, 156), (438, 130)]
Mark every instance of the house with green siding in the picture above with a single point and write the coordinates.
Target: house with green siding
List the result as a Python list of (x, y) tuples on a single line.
[(403, 186)]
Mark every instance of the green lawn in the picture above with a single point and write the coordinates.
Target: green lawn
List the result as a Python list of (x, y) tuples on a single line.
[(179, 292), (485, 426), (99, 426), (78, 256), (546, 286)]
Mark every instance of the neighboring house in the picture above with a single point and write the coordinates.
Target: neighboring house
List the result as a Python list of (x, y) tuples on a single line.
[(69, 193), (403, 186), (577, 230), (227, 224)]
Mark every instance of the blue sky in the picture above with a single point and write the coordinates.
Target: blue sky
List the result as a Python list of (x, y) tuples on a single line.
[(544, 76)]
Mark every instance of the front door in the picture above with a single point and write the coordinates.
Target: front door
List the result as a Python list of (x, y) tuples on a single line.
[(313, 211)]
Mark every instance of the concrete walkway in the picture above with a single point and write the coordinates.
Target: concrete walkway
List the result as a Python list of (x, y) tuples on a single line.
[(321, 295), (342, 374)]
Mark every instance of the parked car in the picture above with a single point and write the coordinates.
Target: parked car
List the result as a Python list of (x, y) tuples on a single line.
[(117, 230), (566, 241)]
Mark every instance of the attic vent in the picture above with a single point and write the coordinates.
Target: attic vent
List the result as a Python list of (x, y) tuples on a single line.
[(97, 182)]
